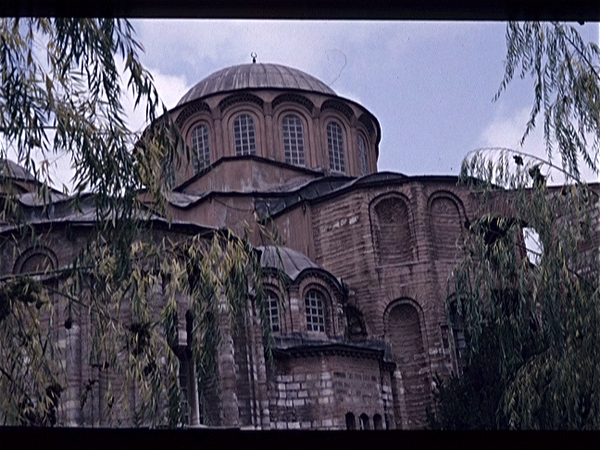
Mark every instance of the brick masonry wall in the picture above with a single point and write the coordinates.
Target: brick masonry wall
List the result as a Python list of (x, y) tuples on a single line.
[(316, 392), (346, 238)]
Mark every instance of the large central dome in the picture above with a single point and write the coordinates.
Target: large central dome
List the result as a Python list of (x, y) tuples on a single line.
[(252, 76)]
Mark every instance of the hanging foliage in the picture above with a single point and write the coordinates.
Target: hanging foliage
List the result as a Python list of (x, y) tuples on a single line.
[(120, 303)]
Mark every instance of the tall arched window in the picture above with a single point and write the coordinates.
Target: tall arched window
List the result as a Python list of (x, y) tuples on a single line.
[(244, 134), (293, 140), (335, 143), (273, 311), (315, 311), (200, 147), (362, 154)]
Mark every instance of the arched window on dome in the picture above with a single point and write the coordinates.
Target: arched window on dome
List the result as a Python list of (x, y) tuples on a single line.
[(200, 147), (362, 154), (244, 134), (315, 311), (335, 143), (293, 140), (273, 311)]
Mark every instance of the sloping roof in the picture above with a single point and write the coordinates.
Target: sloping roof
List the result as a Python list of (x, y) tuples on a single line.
[(269, 206), (11, 169), (81, 211), (33, 199), (255, 76)]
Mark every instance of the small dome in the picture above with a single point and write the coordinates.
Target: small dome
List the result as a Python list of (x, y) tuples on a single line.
[(255, 76), (292, 263)]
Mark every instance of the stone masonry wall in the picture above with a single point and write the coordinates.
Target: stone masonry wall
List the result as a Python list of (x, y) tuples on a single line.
[(316, 392)]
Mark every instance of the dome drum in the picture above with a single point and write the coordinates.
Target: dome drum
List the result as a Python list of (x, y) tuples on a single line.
[(281, 114)]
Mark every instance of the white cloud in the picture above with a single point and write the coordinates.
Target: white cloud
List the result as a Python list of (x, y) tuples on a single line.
[(316, 47), (170, 89)]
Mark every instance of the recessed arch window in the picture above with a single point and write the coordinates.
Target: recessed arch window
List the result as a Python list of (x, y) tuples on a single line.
[(377, 422), (335, 144), (273, 312), (350, 421), (244, 135), (200, 147), (293, 140), (315, 311), (364, 422), (362, 154)]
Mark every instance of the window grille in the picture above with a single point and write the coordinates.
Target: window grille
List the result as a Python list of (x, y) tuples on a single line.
[(293, 140), (335, 143), (200, 148), (362, 155), (315, 314), (273, 310), (245, 140)]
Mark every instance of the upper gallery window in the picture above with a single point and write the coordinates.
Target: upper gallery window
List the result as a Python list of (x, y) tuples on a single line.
[(335, 143), (245, 139), (362, 155), (315, 314), (293, 140), (200, 147), (273, 311)]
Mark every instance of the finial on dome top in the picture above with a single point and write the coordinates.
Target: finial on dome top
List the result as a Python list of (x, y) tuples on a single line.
[(253, 55)]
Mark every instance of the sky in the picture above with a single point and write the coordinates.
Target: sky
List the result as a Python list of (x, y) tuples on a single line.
[(430, 84)]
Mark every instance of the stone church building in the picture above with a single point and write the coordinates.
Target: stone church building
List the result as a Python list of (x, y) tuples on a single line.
[(366, 254)]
